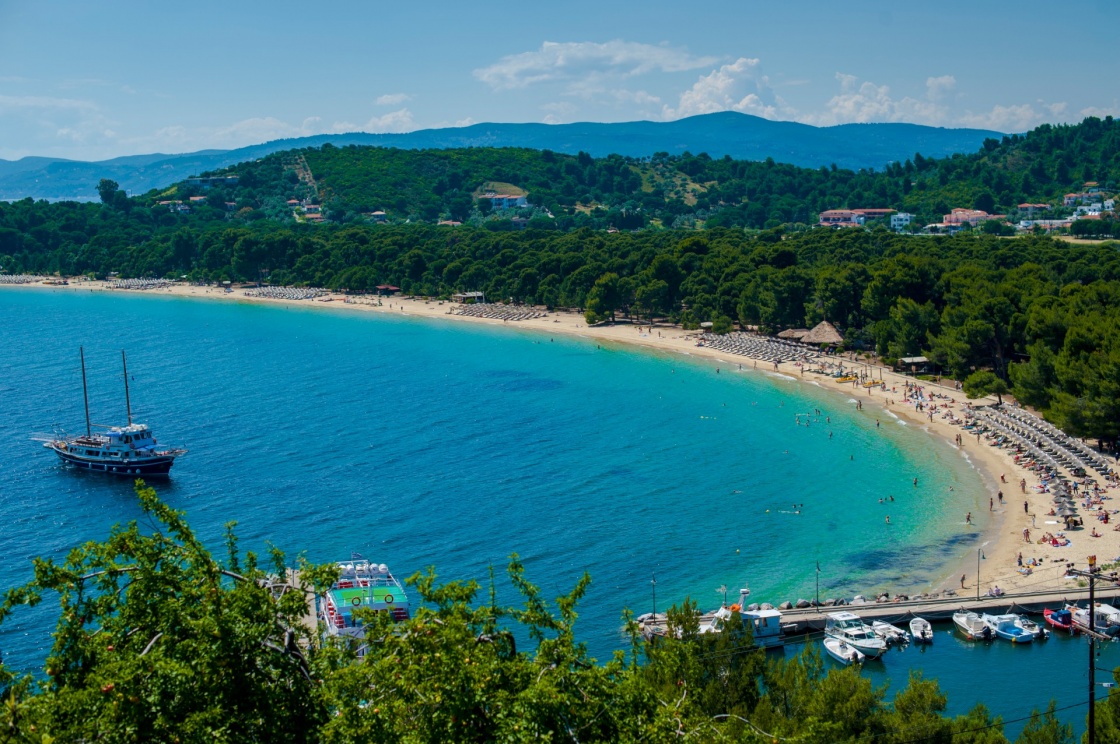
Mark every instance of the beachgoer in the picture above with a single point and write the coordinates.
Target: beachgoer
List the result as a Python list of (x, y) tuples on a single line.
[(991, 504), (1026, 535), (1020, 559), (962, 581), (888, 519), (968, 518), (892, 497), (1025, 509), (915, 483), (1002, 479), (999, 495)]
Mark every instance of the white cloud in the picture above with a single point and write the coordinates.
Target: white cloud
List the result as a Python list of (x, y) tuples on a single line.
[(939, 88), (392, 122), (738, 86), (575, 62), (1101, 112), (392, 99), (26, 103), (1008, 118)]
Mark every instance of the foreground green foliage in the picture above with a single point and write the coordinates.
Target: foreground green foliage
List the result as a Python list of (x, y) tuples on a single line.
[(158, 641)]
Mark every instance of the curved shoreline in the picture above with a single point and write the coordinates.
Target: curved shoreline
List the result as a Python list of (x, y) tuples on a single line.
[(1001, 539)]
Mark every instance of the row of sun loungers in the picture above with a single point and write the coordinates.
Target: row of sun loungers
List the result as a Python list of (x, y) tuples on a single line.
[(19, 279), (1064, 447), (757, 347), (140, 284), (1001, 436), (287, 293), (500, 312)]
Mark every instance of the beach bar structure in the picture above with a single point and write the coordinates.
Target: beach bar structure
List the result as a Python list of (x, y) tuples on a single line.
[(824, 333), (387, 289), (468, 298), (912, 365)]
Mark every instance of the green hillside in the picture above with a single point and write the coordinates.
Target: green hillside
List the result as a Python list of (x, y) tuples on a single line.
[(687, 190)]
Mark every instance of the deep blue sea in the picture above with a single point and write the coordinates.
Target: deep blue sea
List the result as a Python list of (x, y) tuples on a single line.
[(427, 443)]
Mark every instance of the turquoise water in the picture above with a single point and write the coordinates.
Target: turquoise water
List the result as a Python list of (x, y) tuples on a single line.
[(423, 443)]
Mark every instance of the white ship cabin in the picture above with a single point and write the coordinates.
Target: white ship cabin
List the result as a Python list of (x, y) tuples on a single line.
[(842, 620), (766, 625), (134, 441), (364, 574)]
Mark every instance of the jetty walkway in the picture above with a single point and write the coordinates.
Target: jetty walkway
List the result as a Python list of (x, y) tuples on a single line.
[(806, 620)]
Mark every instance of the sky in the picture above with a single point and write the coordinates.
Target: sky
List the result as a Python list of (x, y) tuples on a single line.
[(95, 80)]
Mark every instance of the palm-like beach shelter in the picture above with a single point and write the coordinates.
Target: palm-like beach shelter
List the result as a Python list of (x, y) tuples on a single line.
[(823, 333)]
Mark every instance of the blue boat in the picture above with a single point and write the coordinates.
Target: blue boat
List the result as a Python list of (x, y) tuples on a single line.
[(1009, 628)]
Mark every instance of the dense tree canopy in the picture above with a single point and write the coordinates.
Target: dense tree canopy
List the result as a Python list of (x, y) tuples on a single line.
[(159, 641)]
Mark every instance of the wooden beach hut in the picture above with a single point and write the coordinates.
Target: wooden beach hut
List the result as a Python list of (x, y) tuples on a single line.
[(794, 334), (823, 333)]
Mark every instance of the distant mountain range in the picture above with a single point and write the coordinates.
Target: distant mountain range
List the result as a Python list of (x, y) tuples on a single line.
[(741, 136)]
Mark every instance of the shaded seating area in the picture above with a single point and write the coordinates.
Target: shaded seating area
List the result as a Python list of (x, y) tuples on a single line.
[(763, 348), (287, 293), (19, 279), (140, 284), (496, 311)]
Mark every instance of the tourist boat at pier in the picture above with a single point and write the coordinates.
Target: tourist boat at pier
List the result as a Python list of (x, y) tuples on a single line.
[(843, 652), (765, 625), (972, 626), (1060, 619), (921, 631), (1008, 627), (890, 633), (130, 450), (849, 628), (361, 584)]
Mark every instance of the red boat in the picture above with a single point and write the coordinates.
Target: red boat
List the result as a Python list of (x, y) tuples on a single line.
[(1062, 619)]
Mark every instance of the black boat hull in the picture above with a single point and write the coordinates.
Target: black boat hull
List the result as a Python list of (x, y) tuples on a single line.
[(160, 466)]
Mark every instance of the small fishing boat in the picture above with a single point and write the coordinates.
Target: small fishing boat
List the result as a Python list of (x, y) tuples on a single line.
[(1060, 619), (1008, 627), (842, 652), (890, 633), (1040, 633), (921, 631), (849, 628), (972, 626)]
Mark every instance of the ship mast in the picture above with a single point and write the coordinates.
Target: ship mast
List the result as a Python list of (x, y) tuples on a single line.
[(127, 402), (85, 391)]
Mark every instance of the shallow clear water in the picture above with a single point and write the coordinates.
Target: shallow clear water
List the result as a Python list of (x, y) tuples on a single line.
[(424, 443)]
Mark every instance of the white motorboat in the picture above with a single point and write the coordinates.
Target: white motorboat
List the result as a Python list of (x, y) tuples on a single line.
[(1106, 618), (972, 626), (849, 628), (892, 634), (1008, 627), (921, 631), (1040, 633), (843, 652)]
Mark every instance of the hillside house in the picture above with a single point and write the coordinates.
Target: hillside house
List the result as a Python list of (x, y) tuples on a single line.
[(840, 218), (960, 216), (1072, 200), (1033, 209), (901, 220), (506, 201), (873, 213)]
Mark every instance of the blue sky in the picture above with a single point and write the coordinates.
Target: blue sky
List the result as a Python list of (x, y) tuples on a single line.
[(93, 80)]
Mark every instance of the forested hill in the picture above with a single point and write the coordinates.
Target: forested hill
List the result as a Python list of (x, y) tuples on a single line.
[(724, 133), (350, 183)]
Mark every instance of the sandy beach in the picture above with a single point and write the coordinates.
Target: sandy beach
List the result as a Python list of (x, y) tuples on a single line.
[(1002, 539)]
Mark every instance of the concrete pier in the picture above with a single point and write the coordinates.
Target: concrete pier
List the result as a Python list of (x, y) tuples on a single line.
[(812, 619)]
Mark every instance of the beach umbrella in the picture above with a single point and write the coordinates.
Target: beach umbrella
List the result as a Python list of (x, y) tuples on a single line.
[(1065, 511)]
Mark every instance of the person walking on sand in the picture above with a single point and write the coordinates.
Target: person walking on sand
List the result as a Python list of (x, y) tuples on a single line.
[(1026, 535), (962, 581), (991, 504), (968, 518), (1026, 509)]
